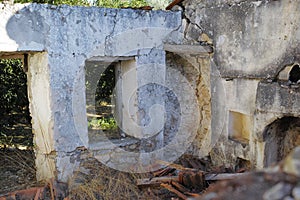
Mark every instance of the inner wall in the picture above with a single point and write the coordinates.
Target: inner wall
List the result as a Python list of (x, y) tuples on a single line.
[(281, 137)]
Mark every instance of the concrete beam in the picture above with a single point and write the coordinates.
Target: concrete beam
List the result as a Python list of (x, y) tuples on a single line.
[(110, 59), (188, 49)]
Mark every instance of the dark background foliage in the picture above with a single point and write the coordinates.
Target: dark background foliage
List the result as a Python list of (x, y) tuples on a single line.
[(13, 87), (102, 3), (15, 120)]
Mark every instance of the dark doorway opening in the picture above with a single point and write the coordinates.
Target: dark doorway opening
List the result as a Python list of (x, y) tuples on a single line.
[(281, 137), (17, 160)]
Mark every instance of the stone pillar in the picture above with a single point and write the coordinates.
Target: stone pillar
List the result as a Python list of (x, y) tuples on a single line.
[(151, 73), (42, 117), (57, 107), (68, 106), (128, 107)]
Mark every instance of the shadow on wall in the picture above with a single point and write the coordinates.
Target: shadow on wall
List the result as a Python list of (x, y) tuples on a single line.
[(281, 137)]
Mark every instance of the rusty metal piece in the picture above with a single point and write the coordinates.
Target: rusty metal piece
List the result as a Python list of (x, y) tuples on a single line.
[(163, 172), (194, 195), (198, 181), (31, 193), (173, 3), (57, 191), (156, 181), (195, 164), (192, 180), (38, 194), (171, 189), (179, 187)]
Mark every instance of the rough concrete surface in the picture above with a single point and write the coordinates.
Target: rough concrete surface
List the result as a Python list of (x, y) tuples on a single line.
[(242, 86), (68, 36), (253, 42)]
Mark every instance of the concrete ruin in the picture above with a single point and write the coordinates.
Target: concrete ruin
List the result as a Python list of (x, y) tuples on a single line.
[(208, 78), (256, 46)]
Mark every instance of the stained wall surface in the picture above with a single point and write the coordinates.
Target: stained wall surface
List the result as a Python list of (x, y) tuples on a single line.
[(59, 39), (239, 88), (253, 42)]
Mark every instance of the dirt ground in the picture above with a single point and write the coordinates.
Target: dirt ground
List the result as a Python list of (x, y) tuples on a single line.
[(17, 167), (17, 170), (93, 180)]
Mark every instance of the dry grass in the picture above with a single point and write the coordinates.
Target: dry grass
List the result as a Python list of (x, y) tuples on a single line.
[(16, 158), (17, 169), (106, 183)]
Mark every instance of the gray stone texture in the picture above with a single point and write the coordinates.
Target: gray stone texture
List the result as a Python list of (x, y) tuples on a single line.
[(253, 42), (67, 36)]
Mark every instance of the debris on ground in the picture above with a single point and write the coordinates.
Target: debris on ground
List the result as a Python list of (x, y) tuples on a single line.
[(52, 190), (187, 179), (17, 170), (256, 185), (279, 182)]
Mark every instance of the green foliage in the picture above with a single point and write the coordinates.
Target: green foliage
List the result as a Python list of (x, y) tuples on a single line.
[(13, 87), (157, 4), (106, 85), (15, 138), (57, 2), (121, 3), (103, 123), (101, 3), (14, 114)]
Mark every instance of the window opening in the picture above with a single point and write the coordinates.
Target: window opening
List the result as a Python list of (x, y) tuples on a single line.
[(239, 127)]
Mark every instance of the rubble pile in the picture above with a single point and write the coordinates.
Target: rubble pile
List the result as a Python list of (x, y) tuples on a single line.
[(279, 182)]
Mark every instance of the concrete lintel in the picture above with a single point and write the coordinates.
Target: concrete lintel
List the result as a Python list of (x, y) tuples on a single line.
[(23, 55), (110, 59), (12, 56), (15, 54), (188, 49)]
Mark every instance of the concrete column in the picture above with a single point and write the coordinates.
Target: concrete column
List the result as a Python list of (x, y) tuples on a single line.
[(151, 73), (128, 101), (42, 118)]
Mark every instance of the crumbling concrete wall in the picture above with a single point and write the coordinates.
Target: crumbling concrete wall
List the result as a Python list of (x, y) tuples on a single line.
[(65, 38), (196, 70), (253, 41), (219, 104)]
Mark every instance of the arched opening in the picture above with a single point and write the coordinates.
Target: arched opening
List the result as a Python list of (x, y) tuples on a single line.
[(281, 137), (294, 75)]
